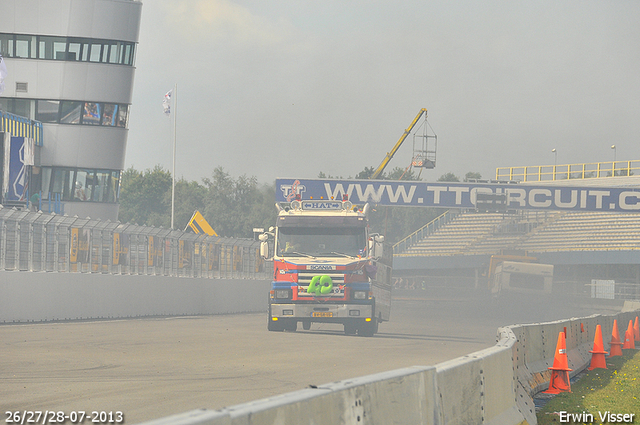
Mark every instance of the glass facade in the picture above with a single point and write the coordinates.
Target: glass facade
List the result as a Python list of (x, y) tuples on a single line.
[(73, 71), (77, 184), (67, 49), (68, 111)]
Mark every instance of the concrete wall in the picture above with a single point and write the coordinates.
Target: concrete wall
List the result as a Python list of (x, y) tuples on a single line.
[(35, 297)]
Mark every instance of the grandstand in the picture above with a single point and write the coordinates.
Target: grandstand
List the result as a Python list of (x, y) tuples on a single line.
[(473, 233), (458, 245)]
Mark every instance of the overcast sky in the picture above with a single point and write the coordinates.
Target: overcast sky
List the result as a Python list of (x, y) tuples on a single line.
[(293, 87)]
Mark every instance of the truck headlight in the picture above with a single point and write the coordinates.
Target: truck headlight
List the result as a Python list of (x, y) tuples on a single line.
[(282, 293), (359, 295)]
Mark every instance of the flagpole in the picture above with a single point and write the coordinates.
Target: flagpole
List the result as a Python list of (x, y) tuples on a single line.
[(173, 172)]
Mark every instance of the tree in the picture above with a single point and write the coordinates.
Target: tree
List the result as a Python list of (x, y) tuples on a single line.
[(399, 173), (143, 197), (263, 213), (235, 207), (366, 173), (472, 176), (448, 177), (189, 197), (322, 175)]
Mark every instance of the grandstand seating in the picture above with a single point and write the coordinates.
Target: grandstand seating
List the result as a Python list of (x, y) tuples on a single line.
[(472, 233)]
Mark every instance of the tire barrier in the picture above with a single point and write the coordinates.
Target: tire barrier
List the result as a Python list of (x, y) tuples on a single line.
[(492, 386)]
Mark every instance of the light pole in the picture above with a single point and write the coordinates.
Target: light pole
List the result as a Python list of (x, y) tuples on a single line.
[(555, 161), (613, 167), (614, 152)]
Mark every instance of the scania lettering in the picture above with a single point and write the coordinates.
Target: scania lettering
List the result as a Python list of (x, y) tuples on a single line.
[(327, 267)]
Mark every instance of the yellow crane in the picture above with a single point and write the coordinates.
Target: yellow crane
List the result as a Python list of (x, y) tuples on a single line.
[(198, 225), (390, 154)]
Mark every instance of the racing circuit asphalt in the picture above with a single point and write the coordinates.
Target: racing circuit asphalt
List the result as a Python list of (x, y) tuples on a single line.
[(155, 367)]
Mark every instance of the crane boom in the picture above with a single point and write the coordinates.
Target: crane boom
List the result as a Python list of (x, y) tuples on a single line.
[(387, 158)]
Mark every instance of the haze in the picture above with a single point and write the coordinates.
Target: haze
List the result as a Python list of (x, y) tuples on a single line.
[(292, 88)]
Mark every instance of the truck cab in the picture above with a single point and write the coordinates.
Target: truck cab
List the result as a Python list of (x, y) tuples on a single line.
[(327, 268)]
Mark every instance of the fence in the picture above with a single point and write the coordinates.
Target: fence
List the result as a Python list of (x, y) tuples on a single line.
[(568, 171), (39, 242), (21, 127)]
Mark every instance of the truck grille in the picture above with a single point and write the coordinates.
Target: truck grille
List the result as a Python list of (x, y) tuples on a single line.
[(305, 276)]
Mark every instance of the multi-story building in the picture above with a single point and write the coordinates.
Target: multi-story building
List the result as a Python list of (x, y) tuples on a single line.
[(70, 66)]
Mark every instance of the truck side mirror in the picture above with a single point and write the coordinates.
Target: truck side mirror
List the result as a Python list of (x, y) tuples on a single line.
[(376, 246), (264, 248)]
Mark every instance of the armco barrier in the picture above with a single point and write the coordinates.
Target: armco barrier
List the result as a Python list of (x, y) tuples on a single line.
[(491, 386)]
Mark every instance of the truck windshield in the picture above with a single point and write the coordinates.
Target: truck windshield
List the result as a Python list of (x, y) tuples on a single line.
[(321, 241)]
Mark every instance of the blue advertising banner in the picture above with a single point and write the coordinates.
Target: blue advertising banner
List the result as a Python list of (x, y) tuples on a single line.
[(462, 195), (17, 176)]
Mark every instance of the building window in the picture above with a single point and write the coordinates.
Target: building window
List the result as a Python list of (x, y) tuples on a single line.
[(52, 48), (61, 184), (84, 185), (21, 107), (75, 51), (91, 115), (123, 116), (69, 111), (79, 184), (109, 114), (47, 110), (25, 46), (72, 49), (96, 49), (6, 45)]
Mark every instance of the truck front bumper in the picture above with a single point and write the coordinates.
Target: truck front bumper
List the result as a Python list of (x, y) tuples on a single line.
[(329, 313)]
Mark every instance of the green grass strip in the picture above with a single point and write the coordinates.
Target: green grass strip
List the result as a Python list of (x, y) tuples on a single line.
[(615, 390)]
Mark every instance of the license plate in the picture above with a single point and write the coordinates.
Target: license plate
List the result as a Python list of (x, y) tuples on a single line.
[(322, 314)]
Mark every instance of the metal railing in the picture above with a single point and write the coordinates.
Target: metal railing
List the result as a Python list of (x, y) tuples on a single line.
[(40, 242), (569, 171), (424, 231), (21, 127)]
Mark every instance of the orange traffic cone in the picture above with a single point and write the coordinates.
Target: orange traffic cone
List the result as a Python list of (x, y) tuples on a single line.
[(629, 342), (560, 370), (616, 345), (597, 358), (636, 329)]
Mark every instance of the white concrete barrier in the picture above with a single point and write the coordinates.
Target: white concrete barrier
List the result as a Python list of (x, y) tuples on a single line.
[(460, 379), (38, 297), (403, 396), (492, 386)]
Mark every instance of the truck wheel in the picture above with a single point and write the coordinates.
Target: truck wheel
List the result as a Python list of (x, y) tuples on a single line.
[(274, 326), (306, 325), (368, 328), (349, 329), (291, 326)]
